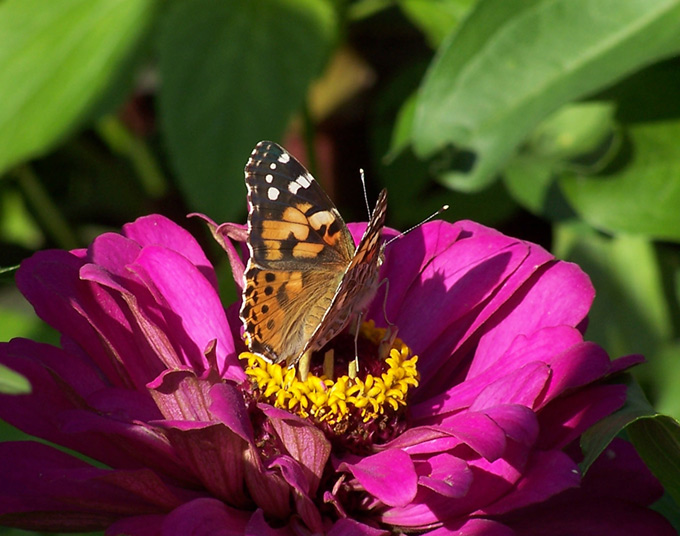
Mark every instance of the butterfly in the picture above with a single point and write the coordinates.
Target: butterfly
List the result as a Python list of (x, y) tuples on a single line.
[(305, 279)]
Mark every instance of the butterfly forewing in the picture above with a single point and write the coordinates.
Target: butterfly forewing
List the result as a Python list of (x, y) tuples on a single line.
[(291, 220), (303, 280)]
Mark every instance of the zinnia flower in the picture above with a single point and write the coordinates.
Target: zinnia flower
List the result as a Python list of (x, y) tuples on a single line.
[(467, 423)]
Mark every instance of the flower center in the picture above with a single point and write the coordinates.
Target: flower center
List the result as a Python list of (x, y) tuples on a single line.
[(361, 407)]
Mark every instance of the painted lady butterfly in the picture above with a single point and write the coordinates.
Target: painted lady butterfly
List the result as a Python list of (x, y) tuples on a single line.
[(305, 280)]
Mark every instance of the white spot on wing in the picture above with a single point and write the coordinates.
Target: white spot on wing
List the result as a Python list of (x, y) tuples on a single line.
[(273, 193), (272, 165), (293, 187), (269, 177), (303, 181), (284, 158)]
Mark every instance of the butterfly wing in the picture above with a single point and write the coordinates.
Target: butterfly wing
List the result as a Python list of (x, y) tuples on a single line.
[(359, 282), (299, 248)]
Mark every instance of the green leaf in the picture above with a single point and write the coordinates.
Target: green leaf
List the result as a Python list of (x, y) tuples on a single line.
[(13, 383), (664, 377), (640, 192), (576, 136), (630, 313), (657, 440), (233, 74), (56, 59), (574, 130), (513, 62), (16, 223), (436, 18), (598, 436)]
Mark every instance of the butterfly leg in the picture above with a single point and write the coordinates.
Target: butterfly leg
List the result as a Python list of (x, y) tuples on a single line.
[(387, 341), (353, 368), (303, 365), (387, 291), (392, 329), (329, 364)]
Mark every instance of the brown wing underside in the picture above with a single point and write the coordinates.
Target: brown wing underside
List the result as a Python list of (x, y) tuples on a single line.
[(283, 309)]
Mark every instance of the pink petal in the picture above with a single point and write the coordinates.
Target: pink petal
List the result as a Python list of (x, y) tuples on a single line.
[(564, 419), (548, 474), (205, 517), (473, 527), (43, 488), (350, 527), (258, 526), (559, 295), (195, 315), (304, 442), (445, 474), (389, 475), (137, 526), (160, 231)]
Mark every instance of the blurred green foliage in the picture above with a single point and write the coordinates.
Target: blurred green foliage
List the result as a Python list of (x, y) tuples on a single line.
[(554, 120)]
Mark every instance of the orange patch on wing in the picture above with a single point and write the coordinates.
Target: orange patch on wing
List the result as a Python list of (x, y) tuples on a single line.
[(281, 230), (303, 207), (307, 250), (273, 251), (294, 215)]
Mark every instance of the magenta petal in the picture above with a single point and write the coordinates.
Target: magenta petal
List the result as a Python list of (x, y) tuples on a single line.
[(456, 281), (267, 487), (195, 314), (619, 472), (474, 527), (537, 347), (389, 475), (50, 281), (564, 419), (137, 526), (424, 440), (350, 527), (445, 474), (522, 386), (85, 415), (228, 406), (580, 365), (479, 432), (180, 395), (297, 477), (560, 296), (548, 474), (404, 270), (518, 423), (41, 487), (160, 231), (215, 456), (205, 517), (610, 500), (594, 518), (258, 526), (304, 442)]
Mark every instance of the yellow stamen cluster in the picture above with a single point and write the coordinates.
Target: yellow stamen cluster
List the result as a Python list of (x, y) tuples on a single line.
[(333, 401)]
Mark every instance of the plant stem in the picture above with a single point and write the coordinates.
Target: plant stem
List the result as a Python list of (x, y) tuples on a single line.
[(132, 147), (49, 215)]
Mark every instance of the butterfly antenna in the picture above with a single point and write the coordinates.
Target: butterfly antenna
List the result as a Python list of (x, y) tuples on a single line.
[(444, 208), (363, 185)]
